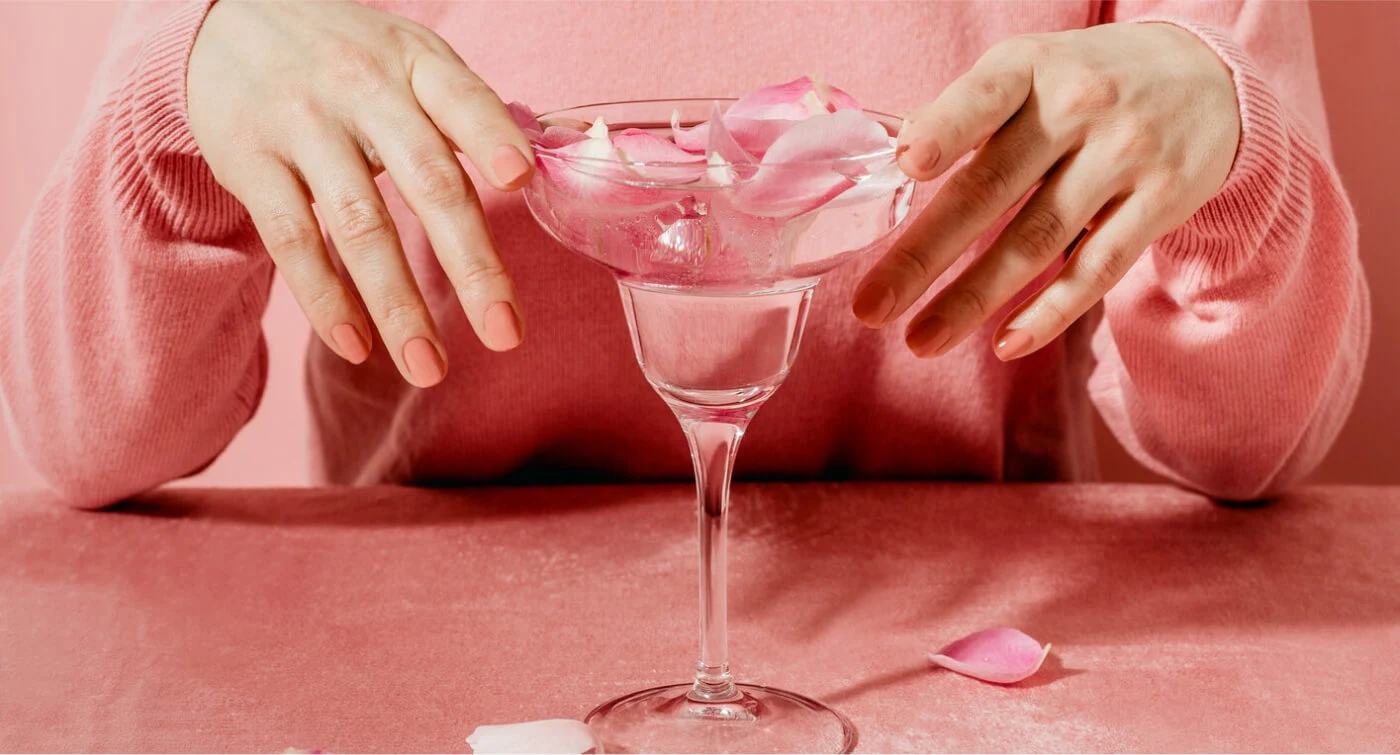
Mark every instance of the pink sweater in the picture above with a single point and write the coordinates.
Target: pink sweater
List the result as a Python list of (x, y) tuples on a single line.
[(1227, 359)]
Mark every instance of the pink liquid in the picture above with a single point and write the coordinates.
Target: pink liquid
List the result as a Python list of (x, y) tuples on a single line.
[(712, 349)]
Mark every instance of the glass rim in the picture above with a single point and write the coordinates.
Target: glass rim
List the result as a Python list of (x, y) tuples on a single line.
[(554, 153)]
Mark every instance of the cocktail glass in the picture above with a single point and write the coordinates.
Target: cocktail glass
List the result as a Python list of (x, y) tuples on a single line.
[(716, 272)]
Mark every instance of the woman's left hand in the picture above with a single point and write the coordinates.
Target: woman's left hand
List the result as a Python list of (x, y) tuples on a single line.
[(1122, 130)]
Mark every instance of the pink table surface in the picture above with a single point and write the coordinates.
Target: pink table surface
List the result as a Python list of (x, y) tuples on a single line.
[(387, 619)]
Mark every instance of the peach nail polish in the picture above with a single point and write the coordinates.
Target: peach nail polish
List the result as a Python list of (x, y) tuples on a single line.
[(424, 363), (922, 156), (352, 345), (509, 165), (928, 337), (1015, 344), (502, 326), (874, 303)]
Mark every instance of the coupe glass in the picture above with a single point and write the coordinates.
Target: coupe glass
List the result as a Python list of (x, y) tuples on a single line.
[(716, 300)]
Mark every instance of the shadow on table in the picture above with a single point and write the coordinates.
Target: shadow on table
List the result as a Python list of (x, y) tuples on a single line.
[(380, 506), (1067, 564)]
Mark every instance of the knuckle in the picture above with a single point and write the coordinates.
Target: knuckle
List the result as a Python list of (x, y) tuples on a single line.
[(1087, 93), (466, 88), (1038, 234), (969, 303), (286, 235), (362, 221), (984, 184), (1136, 136), (439, 181), (1023, 47), (400, 311), (1108, 269), (325, 300), (357, 68), (482, 273), (908, 260)]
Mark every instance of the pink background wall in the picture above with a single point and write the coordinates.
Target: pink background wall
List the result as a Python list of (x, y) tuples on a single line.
[(48, 52)]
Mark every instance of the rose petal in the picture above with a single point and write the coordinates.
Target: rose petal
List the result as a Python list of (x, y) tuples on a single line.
[(1004, 656), (793, 101), (556, 735), (555, 137), (636, 145), (829, 136), (803, 169), (524, 117)]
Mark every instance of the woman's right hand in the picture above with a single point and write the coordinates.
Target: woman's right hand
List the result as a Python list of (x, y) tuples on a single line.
[(298, 102)]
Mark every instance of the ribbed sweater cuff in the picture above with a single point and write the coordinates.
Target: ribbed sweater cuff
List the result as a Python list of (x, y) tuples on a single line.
[(183, 188), (1222, 235)]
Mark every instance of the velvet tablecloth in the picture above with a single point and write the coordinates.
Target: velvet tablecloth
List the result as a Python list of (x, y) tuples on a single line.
[(388, 619)]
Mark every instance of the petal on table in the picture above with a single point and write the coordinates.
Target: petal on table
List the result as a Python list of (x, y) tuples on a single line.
[(1004, 656), (557, 735)]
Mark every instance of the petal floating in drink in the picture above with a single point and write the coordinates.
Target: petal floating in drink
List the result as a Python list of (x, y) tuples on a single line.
[(1004, 656), (556, 735), (656, 159), (810, 164), (794, 101), (761, 117)]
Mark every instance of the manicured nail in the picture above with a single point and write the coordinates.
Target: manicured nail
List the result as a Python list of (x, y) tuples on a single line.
[(502, 326), (874, 303), (1015, 344), (352, 345), (928, 337), (424, 363), (922, 156), (509, 165)]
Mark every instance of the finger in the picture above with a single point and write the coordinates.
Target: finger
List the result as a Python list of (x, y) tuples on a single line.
[(368, 243), (969, 203), (1035, 239), (1102, 258), (437, 189), (289, 231), (967, 113), (465, 109)]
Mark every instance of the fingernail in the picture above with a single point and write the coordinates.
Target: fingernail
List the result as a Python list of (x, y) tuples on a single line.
[(424, 363), (502, 326), (874, 303), (928, 337), (352, 345), (922, 156), (1015, 344), (509, 165)]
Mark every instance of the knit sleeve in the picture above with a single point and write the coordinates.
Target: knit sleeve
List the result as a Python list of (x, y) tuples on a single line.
[(130, 306)]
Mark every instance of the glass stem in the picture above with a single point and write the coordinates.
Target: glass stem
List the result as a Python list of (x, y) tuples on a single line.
[(714, 440)]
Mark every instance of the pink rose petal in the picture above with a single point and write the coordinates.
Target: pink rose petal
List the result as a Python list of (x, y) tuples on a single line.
[(804, 170), (555, 137), (635, 145), (1004, 656), (556, 735), (524, 117), (793, 101)]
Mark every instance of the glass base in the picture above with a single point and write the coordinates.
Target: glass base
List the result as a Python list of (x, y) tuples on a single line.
[(760, 719)]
